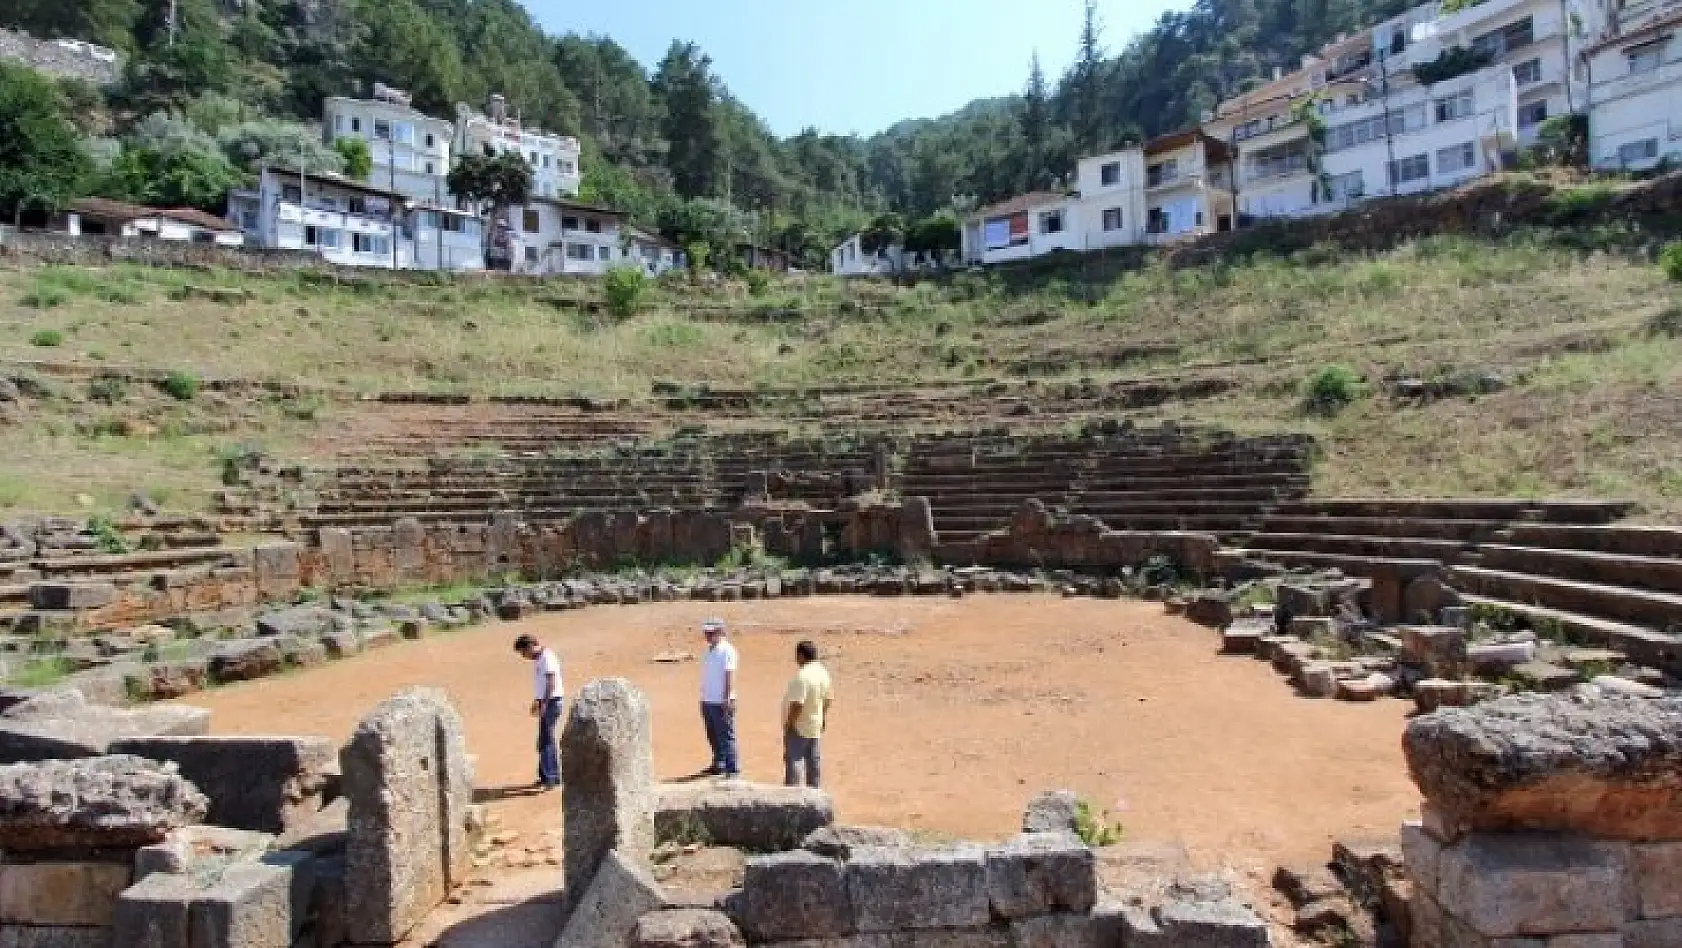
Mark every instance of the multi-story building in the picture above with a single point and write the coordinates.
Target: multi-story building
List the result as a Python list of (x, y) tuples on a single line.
[(410, 150), (554, 159), (353, 224), (557, 236), (1635, 87), (1111, 209), (1188, 186)]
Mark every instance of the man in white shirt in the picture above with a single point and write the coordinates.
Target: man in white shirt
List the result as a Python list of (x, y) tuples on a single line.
[(718, 699), (546, 706)]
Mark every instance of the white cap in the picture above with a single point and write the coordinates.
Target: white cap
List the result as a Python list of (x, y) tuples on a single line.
[(709, 626)]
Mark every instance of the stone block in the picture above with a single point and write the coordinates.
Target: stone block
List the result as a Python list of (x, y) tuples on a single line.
[(1653, 933), (408, 783), (1658, 877), (263, 784), (155, 913), (1221, 923), (65, 726), (605, 914), (55, 937), (1422, 853), (246, 661), (71, 596), (254, 905), (794, 895), (62, 893), (104, 802), (607, 779), (1055, 931), (840, 842), (1041, 874), (1536, 884), (297, 621), (277, 568), (910, 889), (754, 817), (1052, 811), (1607, 767), (686, 928)]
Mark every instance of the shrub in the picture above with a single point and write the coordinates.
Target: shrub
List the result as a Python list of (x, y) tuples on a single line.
[(45, 297), (1095, 828), (1666, 322), (1670, 261), (1331, 390), (758, 281), (625, 287), (47, 339), (107, 391), (182, 386), (110, 538)]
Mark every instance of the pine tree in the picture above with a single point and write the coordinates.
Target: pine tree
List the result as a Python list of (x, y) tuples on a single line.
[(685, 84), (1035, 120), (1087, 80)]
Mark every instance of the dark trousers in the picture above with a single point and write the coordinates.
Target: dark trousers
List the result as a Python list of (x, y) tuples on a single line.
[(548, 752), (801, 754), (721, 737)]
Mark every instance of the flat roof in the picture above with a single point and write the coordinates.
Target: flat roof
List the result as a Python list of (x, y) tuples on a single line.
[(576, 206), (338, 181)]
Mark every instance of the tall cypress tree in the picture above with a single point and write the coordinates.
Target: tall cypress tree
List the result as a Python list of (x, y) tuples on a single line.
[(685, 83)]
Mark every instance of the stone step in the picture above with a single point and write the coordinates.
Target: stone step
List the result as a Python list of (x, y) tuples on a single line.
[(1584, 628), (1660, 573), (1448, 551), (1553, 511), (1466, 531), (1620, 603), (1625, 540)]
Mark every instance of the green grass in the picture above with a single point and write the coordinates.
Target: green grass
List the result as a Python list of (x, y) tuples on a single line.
[(39, 672)]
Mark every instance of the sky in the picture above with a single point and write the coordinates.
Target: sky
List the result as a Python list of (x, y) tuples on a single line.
[(857, 66)]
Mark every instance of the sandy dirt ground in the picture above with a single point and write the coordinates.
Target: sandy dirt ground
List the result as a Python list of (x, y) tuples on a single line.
[(949, 714)]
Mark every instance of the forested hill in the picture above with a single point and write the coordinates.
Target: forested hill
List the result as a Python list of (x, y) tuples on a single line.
[(668, 141)]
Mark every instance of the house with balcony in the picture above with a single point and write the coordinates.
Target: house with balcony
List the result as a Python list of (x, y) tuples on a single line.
[(1188, 186), (657, 255), (556, 236), (556, 172), (347, 222), (1029, 225), (1635, 88), (410, 149)]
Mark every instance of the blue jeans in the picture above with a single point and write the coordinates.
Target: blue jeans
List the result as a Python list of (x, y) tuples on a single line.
[(548, 752), (721, 736)]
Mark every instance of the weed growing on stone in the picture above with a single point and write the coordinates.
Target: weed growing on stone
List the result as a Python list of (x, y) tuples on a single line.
[(1095, 827)]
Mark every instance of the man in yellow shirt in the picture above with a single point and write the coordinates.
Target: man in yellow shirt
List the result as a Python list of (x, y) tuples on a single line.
[(805, 715)]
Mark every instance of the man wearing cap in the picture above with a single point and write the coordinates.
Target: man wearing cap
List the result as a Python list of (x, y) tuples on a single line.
[(718, 699)]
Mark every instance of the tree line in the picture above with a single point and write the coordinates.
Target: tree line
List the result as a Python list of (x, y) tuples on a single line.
[(214, 88)]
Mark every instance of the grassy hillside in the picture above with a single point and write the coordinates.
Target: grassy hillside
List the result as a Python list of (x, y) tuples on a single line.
[(1545, 370)]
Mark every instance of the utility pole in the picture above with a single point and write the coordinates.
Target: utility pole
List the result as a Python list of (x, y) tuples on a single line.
[(1389, 133), (174, 9)]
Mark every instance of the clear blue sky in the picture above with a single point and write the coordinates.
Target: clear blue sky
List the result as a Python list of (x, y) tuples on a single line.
[(857, 65)]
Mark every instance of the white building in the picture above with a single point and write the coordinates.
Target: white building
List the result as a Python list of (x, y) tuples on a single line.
[(353, 224), (102, 217), (850, 259), (1188, 186), (1111, 206), (554, 159), (1029, 225), (657, 255), (1635, 87), (410, 150), (556, 236)]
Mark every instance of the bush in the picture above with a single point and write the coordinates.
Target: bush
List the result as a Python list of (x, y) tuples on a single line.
[(1096, 829), (625, 287), (107, 391), (47, 339), (45, 297), (1331, 390), (1666, 322), (182, 386), (758, 281), (1670, 261), (110, 538)]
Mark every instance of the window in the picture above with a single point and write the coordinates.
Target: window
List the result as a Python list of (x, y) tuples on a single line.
[(1646, 57), (368, 243), (290, 194), (592, 225), (357, 205), (1454, 107), (1156, 222), (338, 123), (534, 159), (430, 141), (355, 124), (405, 133), (569, 223), (1345, 187), (1166, 172), (604, 253), (1533, 114), (1110, 175), (1457, 158), (531, 254), (1051, 222), (382, 130), (529, 222), (323, 237), (566, 167), (1399, 43), (1498, 43), (1406, 170), (580, 252), (429, 167), (1112, 218), (1645, 150), (1528, 73)]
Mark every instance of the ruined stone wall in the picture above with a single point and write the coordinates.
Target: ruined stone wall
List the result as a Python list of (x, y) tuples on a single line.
[(61, 61), (1036, 538)]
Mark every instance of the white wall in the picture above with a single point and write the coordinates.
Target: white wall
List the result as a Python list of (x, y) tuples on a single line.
[(1126, 194), (1636, 118), (553, 248), (412, 158)]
